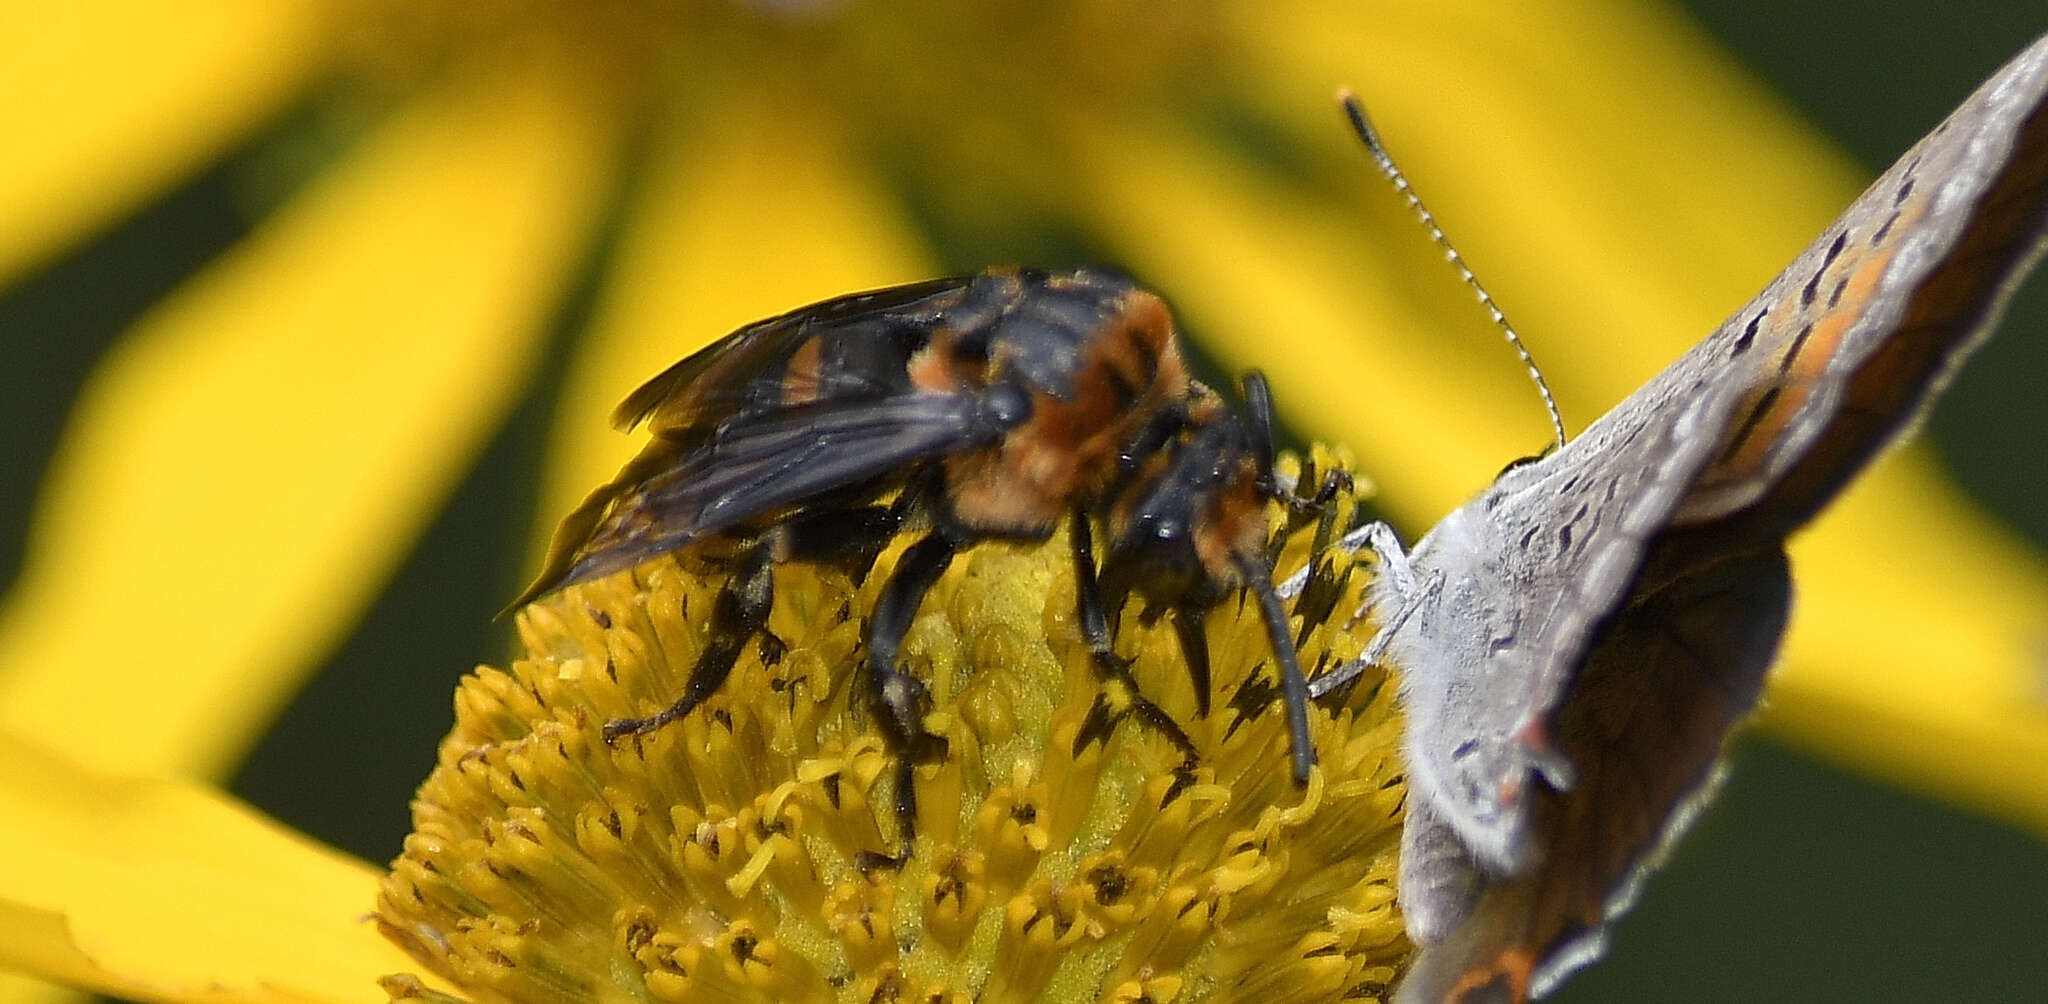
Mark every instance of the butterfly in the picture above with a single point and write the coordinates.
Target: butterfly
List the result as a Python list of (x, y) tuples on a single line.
[(1576, 643)]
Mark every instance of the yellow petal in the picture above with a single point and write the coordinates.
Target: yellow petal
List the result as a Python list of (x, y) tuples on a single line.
[(1564, 180), (758, 214), (1569, 125), (1272, 278), (256, 456), (16, 988), (108, 100), (1919, 647), (163, 890), (1901, 582)]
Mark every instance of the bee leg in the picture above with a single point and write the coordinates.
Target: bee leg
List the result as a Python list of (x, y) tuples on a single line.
[(1258, 406), (1094, 618), (897, 700), (1293, 686), (1300, 508), (845, 539), (1194, 648), (739, 614), (1334, 481)]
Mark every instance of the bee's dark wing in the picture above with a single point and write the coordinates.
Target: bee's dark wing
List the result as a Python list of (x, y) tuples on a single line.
[(718, 380), (668, 497)]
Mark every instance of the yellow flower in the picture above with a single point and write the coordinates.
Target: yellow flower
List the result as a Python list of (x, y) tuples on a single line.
[(735, 854), (469, 202)]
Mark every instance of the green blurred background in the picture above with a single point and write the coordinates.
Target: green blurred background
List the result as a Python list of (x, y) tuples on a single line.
[(1803, 883)]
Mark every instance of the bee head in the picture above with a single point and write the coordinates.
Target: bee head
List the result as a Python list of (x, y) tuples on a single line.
[(1179, 529), (1190, 529)]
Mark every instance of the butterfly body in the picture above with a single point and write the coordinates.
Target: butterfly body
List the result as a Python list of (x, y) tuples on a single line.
[(1577, 642)]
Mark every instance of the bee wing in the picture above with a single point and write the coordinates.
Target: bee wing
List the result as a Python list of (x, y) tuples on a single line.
[(668, 497), (714, 382)]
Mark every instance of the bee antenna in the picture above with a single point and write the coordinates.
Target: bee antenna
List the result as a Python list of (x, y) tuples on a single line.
[(1258, 404), (1293, 687), (1355, 111)]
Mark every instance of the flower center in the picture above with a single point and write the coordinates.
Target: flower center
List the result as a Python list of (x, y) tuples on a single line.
[(743, 852)]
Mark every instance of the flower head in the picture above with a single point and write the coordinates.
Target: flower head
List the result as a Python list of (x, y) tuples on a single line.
[(743, 851)]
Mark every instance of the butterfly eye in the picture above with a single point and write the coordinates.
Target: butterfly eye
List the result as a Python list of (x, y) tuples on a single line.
[(1518, 463)]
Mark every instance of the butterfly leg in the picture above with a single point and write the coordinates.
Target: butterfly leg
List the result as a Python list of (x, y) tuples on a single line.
[(898, 700), (1377, 537), (1122, 697), (739, 613), (1393, 556), (1414, 593), (1357, 540)]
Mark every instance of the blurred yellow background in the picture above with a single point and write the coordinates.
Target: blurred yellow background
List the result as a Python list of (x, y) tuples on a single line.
[(290, 401)]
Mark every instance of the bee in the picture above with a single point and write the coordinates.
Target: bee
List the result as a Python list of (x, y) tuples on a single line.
[(984, 407)]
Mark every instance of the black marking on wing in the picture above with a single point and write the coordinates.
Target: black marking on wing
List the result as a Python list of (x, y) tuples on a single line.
[(1791, 354), (1764, 403), (1748, 337), (1980, 238), (1835, 249)]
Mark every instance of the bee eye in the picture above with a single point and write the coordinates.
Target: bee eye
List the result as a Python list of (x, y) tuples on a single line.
[(1166, 529), (1008, 404)]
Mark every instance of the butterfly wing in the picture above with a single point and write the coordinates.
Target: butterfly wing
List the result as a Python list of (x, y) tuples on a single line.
[(1516, 587), (1875, 318), (1675, 669), (1639, 571)]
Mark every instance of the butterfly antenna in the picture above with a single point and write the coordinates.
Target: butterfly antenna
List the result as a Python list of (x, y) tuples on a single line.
[(1371, 137)]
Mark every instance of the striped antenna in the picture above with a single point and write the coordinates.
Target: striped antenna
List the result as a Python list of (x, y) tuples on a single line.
[(1363, 127)]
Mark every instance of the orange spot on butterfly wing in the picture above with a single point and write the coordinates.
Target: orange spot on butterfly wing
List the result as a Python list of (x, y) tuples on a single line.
[(1504, 979), (1783, 390)]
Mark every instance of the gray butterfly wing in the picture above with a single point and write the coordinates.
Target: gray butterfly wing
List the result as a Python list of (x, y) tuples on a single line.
[(1670, 511), (1515, 582), (1674, 670), (1895, 295)]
